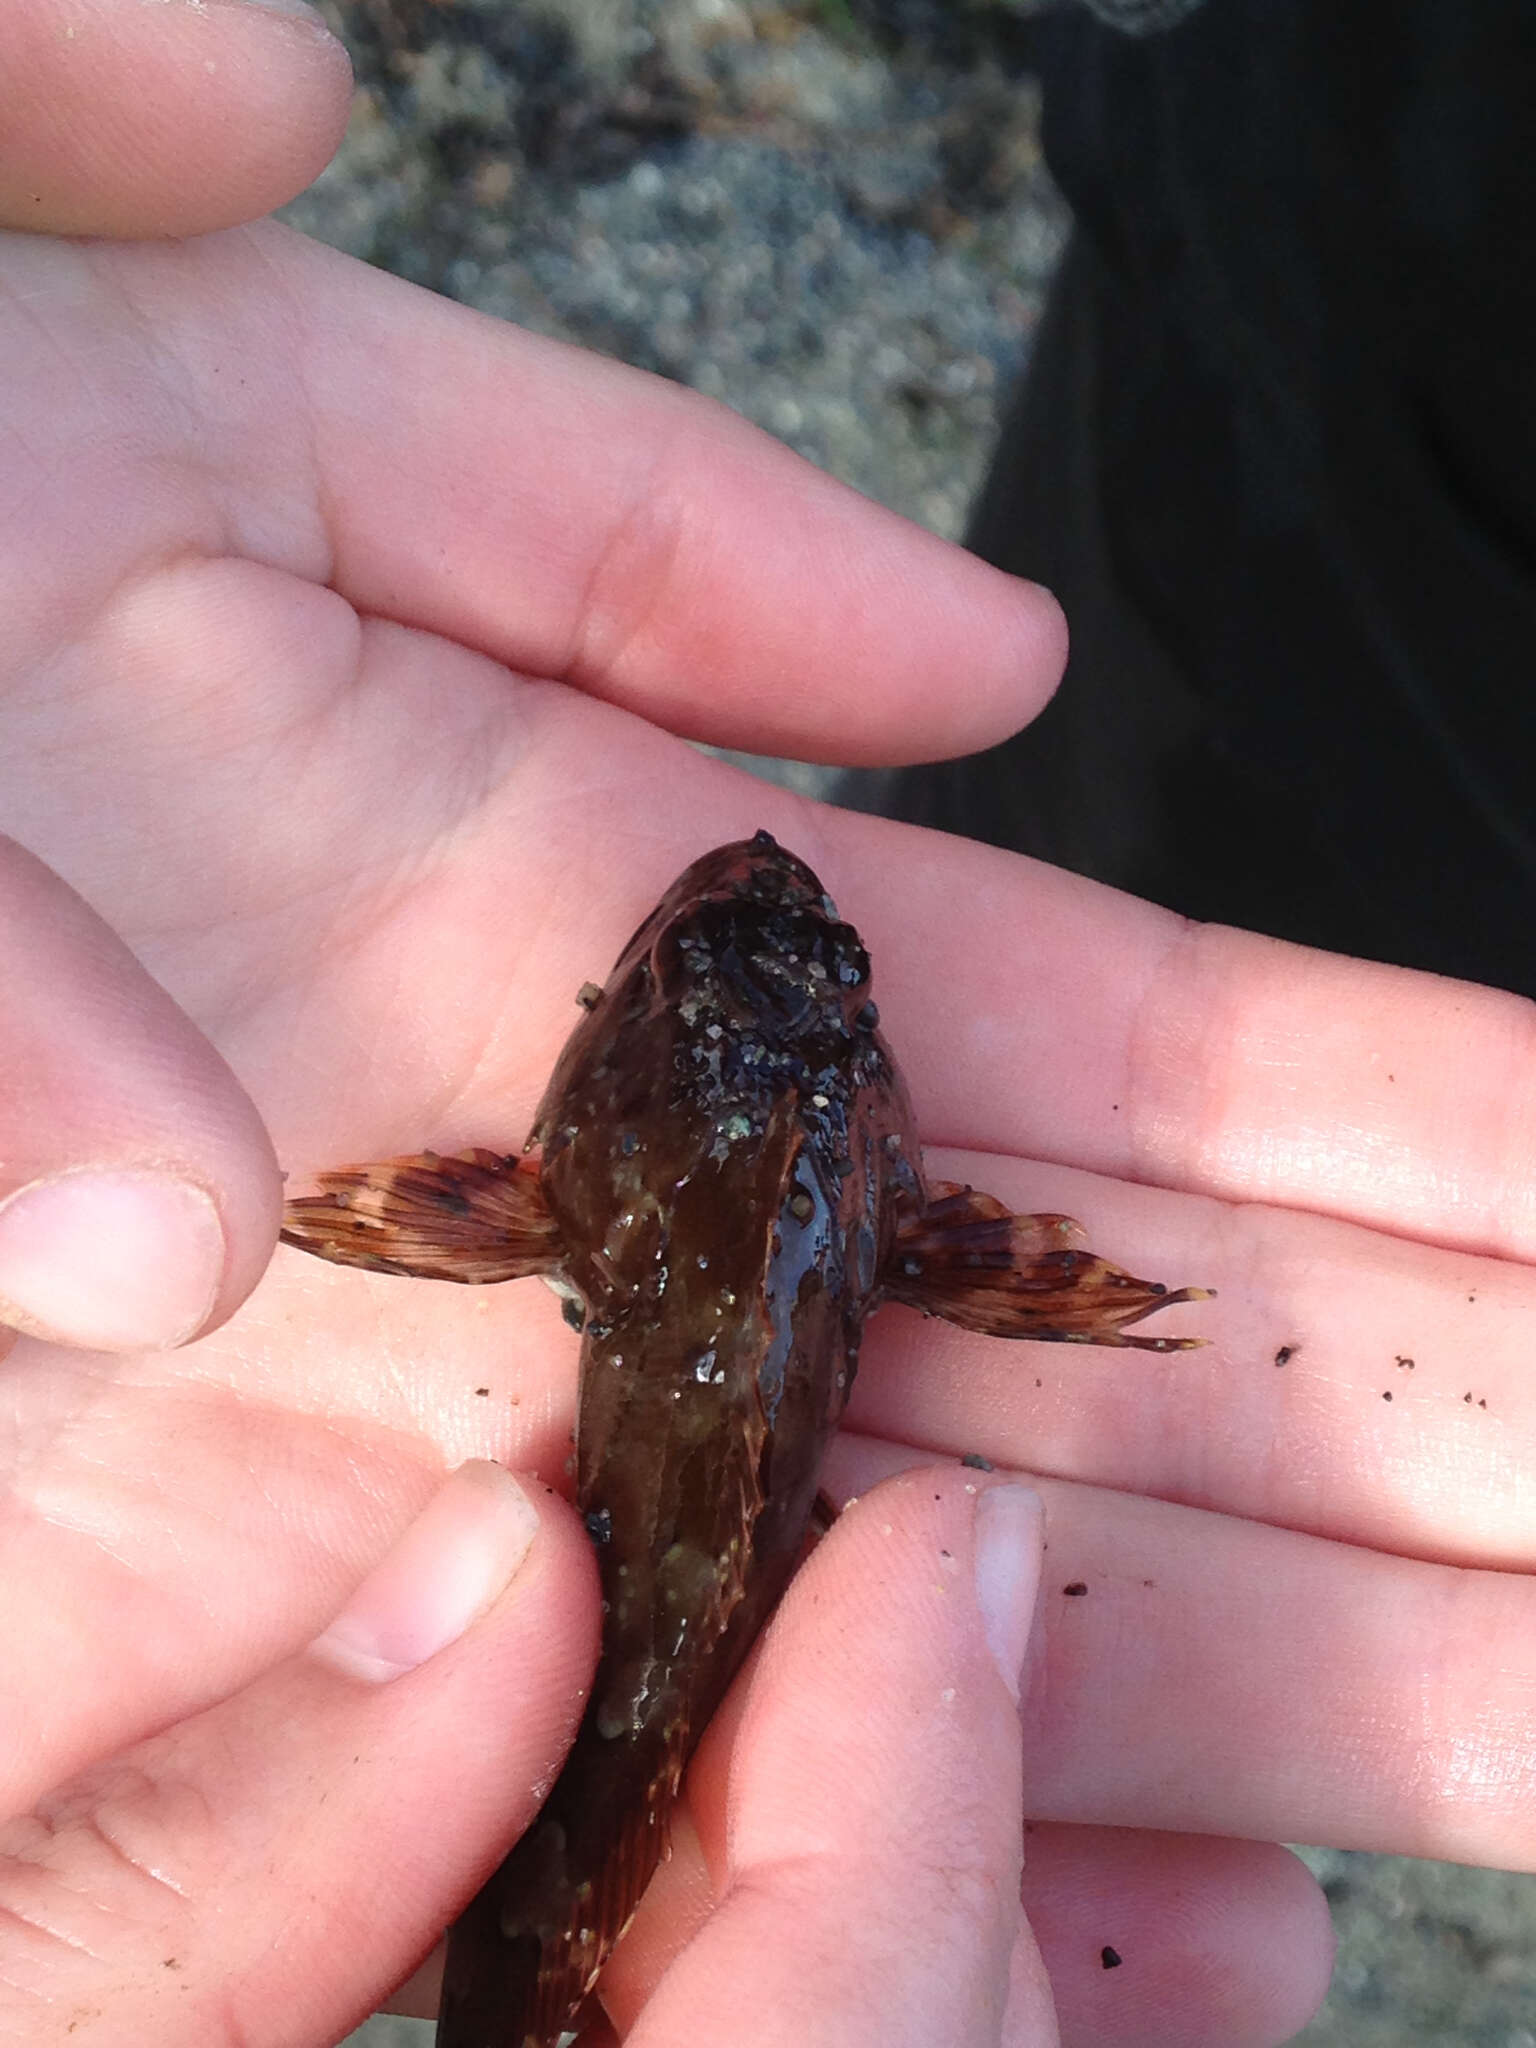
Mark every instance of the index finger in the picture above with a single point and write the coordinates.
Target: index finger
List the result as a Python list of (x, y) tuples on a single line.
[(1045, 1015), (575, 519)]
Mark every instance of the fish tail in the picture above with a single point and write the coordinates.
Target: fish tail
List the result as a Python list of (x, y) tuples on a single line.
[(530, 1946)]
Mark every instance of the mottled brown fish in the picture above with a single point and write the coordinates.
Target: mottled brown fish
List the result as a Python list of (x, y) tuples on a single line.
[(725, 1176)]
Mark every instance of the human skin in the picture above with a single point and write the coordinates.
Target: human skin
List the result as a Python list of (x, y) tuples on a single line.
[(348, 638)]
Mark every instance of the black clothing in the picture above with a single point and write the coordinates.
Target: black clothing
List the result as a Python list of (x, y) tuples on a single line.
[(1276, 453)]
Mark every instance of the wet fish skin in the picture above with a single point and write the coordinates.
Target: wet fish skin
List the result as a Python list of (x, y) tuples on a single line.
[(729, 1179), (714, 1145)]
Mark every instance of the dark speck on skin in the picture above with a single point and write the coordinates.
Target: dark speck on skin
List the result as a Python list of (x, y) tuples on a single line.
[(1075, 1590), (975, 1462), (1286, 1353), (1387, 1395), (482, 1391), (1109, 1957)]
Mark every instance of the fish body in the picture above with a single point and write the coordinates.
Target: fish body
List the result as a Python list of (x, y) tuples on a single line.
[(726, 1150), (725, 1174)]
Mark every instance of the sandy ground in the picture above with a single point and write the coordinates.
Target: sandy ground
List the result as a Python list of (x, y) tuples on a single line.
[(848, 239)]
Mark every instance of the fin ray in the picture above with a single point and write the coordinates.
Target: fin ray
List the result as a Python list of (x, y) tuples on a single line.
[(474, 1217), (972, 1262)]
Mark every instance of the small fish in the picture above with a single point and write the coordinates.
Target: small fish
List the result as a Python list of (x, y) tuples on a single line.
[(725, 1177)]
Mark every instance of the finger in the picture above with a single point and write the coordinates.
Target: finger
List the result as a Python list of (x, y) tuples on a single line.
[(1158, 1941), (571, 517), (1203, 1674), (1355, 1384), (1148, 1940), (1037, 1013), (127, 120), (266, 1871), (139, 1196), (1042, 1014), (874, 1789), (180, 1523), (1223, 1942), (666, 556)]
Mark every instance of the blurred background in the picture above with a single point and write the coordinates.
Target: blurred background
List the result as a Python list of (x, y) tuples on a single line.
[(832, 215)]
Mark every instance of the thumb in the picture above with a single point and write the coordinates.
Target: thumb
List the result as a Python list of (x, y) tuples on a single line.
[(122, 119), (875, 1791), (264, 1871), (139, 1195)]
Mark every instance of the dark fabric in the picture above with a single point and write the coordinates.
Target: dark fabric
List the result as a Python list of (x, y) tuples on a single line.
[(1277, 454), (1142, 17)]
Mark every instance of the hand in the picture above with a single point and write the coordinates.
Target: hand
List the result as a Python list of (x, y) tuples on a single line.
[(250, 486), (873, 1793), (867, 1875), (208, 756)]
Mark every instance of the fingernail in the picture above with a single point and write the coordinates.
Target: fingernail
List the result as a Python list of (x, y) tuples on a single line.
[(1010, 1521), (450, 1565), (114, 1260)]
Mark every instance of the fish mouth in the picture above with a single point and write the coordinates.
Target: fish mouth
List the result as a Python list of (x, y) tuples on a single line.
[(756, 870)]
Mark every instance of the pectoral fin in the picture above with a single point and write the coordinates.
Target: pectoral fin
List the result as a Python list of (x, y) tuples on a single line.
[(474, 1217), (967, 1259)]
